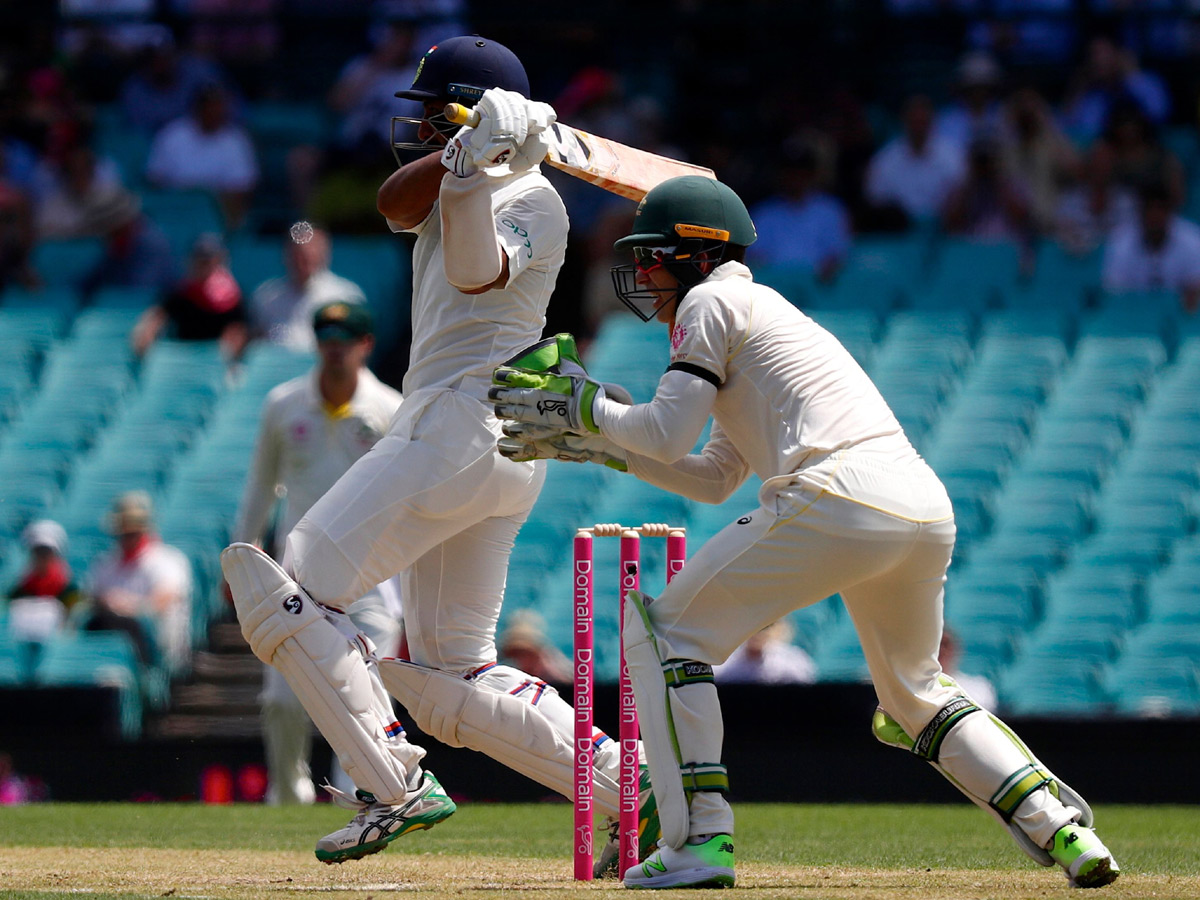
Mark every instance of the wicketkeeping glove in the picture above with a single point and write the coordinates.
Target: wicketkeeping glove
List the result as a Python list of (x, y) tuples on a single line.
[(522, 443), (565, 402)]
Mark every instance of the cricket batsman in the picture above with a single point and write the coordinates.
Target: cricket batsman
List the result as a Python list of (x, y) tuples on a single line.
[(433, 499)]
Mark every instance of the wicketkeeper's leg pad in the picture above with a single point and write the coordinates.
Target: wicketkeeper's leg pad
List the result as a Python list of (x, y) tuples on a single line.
[(324, 660), (680, 719), (993, 768), (530, 731)]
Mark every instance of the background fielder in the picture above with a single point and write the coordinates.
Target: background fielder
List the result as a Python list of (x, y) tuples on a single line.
[(847, 506), (312, 430)]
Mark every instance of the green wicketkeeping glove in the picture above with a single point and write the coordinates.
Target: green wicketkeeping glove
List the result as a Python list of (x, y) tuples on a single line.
[(547, 385), (565, 402), (522, 443)]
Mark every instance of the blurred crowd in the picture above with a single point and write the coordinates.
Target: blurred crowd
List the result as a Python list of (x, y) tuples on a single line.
[(1077, 156)]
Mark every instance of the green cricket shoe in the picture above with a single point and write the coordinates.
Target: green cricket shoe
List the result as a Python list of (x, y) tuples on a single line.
[(1087, 862), (378, 824), (649, 832), (707, 865)]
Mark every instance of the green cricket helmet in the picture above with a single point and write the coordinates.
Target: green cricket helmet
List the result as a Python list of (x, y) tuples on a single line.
[(687, 225)]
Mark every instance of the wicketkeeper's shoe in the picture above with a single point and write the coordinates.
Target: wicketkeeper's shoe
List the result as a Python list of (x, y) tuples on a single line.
[(1087, 862), (649, 831), (707, 865), (378, 824)]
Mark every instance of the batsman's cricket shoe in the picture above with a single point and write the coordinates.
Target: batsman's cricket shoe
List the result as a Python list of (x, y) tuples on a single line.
[(1088, 863), (378, 824), (706, 865), (649, 831)]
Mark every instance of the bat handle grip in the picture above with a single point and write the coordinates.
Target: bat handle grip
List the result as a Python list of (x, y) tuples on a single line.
[(461, 115)]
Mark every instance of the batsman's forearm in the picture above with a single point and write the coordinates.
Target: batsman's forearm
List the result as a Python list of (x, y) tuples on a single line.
[(408, 194)]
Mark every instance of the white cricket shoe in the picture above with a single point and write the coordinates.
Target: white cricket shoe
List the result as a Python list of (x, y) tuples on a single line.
[(709, 864), (378, 824)]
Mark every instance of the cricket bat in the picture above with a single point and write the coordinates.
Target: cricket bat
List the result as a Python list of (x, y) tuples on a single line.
[(624, 170)]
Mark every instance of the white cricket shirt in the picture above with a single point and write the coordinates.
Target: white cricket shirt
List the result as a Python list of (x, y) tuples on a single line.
[(303, 448), (786, 387), (458, 339)]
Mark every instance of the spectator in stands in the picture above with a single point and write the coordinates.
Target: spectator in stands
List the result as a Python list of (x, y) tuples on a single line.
[(70, 190), (142, 586), (1091, 209), (16, 232), (1109, 76), (206, 150), (281, 309), (312, 429), (162, 87), (768, 657), (46, 590), (976, 111), (915, 172), (1131, 145), (136, 252), (988, 205), (1160, 253), (205, 305), (977, 687), (800, 224), (523, 645), (1037, 155)]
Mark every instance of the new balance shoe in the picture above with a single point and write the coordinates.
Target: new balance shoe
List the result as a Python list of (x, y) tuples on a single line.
[(378, 824), (649, 831), (1087, 862), (706, 865)]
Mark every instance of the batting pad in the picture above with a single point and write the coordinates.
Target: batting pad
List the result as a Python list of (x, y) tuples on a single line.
[(508, 728), (327, 670)]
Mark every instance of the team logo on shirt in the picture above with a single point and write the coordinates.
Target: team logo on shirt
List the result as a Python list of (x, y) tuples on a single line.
[(678, 333)]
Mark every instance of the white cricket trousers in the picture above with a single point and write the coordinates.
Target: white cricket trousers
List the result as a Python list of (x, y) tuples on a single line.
[(878, 532), (432, 499)]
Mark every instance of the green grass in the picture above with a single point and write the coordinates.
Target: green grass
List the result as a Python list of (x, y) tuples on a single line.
[(1157, 841)]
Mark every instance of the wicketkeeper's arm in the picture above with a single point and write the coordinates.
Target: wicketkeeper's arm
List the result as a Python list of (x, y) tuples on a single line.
[(709, 476), (666, 428)]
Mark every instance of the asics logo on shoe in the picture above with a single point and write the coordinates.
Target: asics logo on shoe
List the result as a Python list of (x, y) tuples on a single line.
[(726, 847), (293, 604), (553, 406)]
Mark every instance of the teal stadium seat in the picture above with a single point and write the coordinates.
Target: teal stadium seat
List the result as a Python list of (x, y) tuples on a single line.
[(1154, 688), (65, 261), (105, 658)]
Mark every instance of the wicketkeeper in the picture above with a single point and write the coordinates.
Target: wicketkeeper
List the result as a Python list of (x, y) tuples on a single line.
[(847, 506)]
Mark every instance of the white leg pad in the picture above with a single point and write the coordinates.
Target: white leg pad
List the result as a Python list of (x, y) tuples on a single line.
[(654, 718), (326, 665), (507, 727)]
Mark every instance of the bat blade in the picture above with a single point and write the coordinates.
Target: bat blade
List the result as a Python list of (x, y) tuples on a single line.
[(614, 166)]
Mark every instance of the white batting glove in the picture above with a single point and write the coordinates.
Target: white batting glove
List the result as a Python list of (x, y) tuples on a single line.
[(502, 129), (537, 142), (522, 443), (457, 157)]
